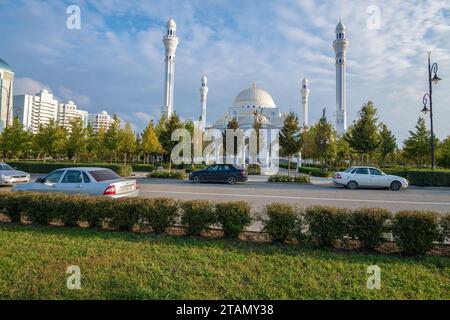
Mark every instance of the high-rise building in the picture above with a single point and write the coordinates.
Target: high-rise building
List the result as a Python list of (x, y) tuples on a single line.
[(340, 46), (99, 120), (305, 97), (6, 94), (69, 111), (170, 43), (203, 97), (36, 110)]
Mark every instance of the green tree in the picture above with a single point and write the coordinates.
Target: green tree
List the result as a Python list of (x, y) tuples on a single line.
[(92, 142), (150, 143), (388, 143), (112, 138), (325, 140), (50, 140), (290, 137), (363, 135), (165, 128), (76, 141), (127, 144), (444, 153), (15, 140), (417, 146), (343, 152)]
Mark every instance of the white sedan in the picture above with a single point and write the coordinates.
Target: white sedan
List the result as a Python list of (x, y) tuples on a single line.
[(10, 176), (88, 181), (369, 177)]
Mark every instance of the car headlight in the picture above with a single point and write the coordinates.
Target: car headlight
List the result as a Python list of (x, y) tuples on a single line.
[(5, 177)]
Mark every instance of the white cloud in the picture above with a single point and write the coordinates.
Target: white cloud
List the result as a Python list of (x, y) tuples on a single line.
[(28, 86)]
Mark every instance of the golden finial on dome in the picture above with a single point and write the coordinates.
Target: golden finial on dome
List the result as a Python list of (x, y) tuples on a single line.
[(254, 84)]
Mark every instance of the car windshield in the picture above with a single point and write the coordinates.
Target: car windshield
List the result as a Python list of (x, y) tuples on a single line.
[(104, 175), (4, 166), (349, 169)]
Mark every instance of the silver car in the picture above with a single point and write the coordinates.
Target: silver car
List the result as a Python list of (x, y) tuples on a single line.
[(10, 176), (88, 181), (370, 177)]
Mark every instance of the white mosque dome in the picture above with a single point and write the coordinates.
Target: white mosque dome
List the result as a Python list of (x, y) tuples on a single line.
[(254, 97)]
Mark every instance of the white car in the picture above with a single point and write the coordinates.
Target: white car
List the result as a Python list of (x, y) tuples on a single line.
[(370, 177), (88, 181), (9, 176)]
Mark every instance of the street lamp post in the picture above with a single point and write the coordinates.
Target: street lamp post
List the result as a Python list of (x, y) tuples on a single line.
[(7, 119), (428, 98)]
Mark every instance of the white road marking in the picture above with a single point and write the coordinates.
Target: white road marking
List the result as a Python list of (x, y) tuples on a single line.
[(296, 198)]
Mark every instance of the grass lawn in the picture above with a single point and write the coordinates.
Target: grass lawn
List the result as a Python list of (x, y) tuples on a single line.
[(115, 265)]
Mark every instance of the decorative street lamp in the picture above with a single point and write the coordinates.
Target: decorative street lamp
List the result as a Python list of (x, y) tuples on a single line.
[(428, 99)]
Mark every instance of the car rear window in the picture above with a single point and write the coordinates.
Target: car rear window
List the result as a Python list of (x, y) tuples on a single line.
[(104, 175)]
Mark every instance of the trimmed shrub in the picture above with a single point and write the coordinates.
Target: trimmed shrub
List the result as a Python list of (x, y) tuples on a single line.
[(415, 231), (369, 225), (159, 213), (122, 213), (92, 211), (284, 178), (143, 167), (282, 221), (39, 208), (10, 205), (166, 174), (445, 227), (325, 225), (47, 167), (198, 216), (316, 172), (234, 217), (254, 169), (423, 178), (67, 208)]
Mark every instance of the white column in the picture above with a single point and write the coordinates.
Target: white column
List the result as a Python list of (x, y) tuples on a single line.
[(203, 97), (340, 46), (170, 41), (305, 101)]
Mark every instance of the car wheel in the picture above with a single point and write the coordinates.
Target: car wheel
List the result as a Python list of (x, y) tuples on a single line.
[(197, 179), (231, 180), (352, 185), (396, 186)]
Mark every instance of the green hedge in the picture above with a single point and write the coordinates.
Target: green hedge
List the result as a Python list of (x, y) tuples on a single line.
[(315, 172), (47, 167), (290, 179), (282, 221), (166, 174), (143, 167), (422, 178), (233, 217), (415, 232), (254, 170)]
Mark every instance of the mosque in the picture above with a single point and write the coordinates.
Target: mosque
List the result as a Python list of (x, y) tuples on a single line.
[(255, 101)]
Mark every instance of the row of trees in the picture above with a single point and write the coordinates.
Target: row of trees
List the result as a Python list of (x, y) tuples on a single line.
[(116, 143), (367, 141)]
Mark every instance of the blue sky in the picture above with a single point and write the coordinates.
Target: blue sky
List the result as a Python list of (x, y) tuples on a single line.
[(116, 61)]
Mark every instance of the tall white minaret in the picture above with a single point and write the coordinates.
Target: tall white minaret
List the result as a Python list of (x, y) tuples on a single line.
[(340, 46), (170, 43), (203, 97), (305, 97)]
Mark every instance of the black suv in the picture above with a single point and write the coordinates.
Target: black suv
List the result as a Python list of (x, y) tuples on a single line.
[(228, 173)]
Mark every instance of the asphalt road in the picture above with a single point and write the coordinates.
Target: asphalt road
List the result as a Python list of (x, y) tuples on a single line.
[(260, 193)]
